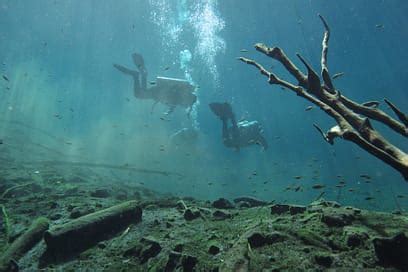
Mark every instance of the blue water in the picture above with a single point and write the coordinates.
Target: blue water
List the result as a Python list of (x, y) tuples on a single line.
[(64, 101)]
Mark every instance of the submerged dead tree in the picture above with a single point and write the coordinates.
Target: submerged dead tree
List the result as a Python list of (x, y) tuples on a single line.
[(352, 118)]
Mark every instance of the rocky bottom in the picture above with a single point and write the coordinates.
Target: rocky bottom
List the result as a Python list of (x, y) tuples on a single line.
[(176, 234)]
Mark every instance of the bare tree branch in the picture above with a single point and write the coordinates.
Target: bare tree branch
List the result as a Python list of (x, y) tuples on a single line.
[(351, 117), (403, 117)]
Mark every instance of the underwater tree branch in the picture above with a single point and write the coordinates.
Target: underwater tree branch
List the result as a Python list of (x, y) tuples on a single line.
[(351, 117)]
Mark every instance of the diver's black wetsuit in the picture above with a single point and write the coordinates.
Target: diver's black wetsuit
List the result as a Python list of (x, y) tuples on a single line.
[(241, 134)]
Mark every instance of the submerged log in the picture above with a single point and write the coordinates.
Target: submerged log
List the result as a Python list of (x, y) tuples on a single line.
[(86, 231), (23, 244)]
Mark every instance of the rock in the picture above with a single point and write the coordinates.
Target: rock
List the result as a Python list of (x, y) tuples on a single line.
[(188, 262), (295, 209), (252, 201), (284, 208), (147, 249), (173, 261), (55, 216), (177, 260), (178, 248), (279, 208), (259, 239), (190, 214), (101, 193), (53, 205), (397, 212), (323, 260), (355, 238), (221, 215), (222, 203), (243, 204), (151, 249), (337, 219), (392, 251), (214, 249)]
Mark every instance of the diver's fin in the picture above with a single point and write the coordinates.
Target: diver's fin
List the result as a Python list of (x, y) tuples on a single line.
[(138, 60), (222, 110)]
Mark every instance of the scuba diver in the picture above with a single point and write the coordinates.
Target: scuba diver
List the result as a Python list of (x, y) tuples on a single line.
[(241, 134), (168, 91)]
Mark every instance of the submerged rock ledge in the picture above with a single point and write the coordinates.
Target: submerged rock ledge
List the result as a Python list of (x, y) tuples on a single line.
[(188, 234)]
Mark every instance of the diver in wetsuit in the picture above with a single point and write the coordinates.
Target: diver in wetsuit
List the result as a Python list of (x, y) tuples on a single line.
[(169, 91), (241, 134)]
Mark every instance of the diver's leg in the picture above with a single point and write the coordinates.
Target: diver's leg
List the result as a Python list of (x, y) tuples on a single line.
[(139, 62)]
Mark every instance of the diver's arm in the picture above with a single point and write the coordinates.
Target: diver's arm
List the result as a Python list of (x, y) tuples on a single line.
[(125, 70)]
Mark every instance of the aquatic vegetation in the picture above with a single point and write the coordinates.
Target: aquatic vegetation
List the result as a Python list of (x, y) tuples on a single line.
[(352, 118)]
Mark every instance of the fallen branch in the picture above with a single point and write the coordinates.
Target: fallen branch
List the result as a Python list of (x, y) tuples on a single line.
[(104, 165), (351, 117), (3, 195), (84, 232), (8, 261)]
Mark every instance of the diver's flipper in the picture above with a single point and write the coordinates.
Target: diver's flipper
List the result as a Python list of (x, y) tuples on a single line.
[(222, 110), (126, 70), (138, 61)]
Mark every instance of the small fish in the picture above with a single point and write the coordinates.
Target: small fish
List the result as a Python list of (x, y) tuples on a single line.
[(296, 189), (243, 50), (400, 196), (297, 177), (337, 75), (152, 82), (166, 68), (379, 26), (365, 176), (318, 186), (309, 108), (351, 190), (1, 141), (210, 183), (369, 198), (342, 182), (254, 173), (340, 185), (5, 78)]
